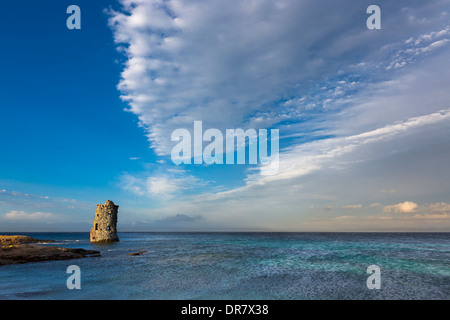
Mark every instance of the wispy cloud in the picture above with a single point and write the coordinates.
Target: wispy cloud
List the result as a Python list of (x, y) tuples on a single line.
[(179, 218), (24, 216), (247, 62), (308, 157), (161, 184), (414, 47), (352, 206), (41, 202)]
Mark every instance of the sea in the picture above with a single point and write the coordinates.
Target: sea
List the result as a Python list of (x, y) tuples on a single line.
[(240, 266)]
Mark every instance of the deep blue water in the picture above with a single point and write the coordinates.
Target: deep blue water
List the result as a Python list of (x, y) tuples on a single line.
[(241, 266)]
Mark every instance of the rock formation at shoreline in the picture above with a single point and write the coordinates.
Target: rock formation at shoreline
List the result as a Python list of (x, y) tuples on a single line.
[(18, 239), (23, 249)]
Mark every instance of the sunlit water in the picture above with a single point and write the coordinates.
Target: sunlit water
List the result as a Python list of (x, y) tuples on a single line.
[(241, 266)]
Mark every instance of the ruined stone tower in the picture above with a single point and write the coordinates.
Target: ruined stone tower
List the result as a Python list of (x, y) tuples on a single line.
[(105, 223)]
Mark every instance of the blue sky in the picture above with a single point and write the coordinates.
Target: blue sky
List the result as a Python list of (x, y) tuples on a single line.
[(363, 115)]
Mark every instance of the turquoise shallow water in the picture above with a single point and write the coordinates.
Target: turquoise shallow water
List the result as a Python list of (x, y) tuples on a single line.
[(241, 266)]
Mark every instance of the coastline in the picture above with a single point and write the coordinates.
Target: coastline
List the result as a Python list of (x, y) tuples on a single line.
[(19, 249)]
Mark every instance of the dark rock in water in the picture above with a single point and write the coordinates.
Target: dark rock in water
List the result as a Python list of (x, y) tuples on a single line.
[(137, 253)]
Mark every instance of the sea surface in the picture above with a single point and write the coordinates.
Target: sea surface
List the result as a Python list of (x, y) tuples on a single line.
[(209, 266)]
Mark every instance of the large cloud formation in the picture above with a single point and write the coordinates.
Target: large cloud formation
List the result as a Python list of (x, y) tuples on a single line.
[(359, 111), (254, 63)]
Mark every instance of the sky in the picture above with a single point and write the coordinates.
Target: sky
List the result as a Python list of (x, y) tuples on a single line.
[(363, 115)]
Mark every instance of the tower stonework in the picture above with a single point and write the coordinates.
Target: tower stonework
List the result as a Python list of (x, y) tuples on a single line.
[(105, 223)]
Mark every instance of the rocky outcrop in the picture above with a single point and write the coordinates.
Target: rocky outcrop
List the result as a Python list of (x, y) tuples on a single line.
[(19, 239), (105, 223), (17, 249)]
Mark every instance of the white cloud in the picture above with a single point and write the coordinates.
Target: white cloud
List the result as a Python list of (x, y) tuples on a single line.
[(344, 217), (404, 207), (308, 157), (161, 185), (352, 206), (438, 208), (230, 63), (22, 215), (434, 211), (420, 45)]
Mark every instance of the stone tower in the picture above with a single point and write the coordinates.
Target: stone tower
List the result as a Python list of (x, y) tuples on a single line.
[(105, 223)]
